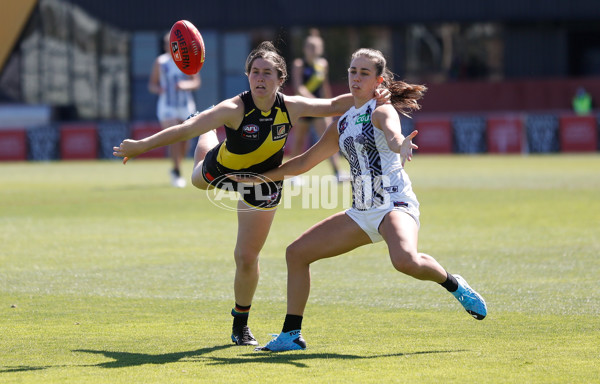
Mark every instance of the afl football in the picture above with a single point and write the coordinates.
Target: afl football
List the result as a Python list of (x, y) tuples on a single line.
[(187, 47)]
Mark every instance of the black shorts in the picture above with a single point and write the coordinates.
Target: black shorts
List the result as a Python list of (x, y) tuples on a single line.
[(265, 195)]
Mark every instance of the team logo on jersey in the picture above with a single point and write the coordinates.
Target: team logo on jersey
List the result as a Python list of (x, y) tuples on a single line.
[(363, 119), (250, 131), (280, 131), (175, 50), (342, 125)]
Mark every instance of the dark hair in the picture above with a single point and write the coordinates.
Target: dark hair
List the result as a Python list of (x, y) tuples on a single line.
[(404, 96), (267, 51)]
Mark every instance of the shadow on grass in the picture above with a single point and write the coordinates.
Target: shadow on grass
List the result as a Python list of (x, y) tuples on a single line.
[(295, 358), (124, 359), (128, 359), (23, 368)]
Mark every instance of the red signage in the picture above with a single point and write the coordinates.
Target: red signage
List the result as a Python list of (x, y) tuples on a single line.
[(578, 133), (13, 144), (78, 141), (504, 135), (435, 136)]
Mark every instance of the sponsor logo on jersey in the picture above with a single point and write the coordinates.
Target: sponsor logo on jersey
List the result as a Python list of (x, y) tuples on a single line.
[(399, 204), (175, 50), (362, 119), (251, 128), (280, 131), (250, 131), (391, 189)]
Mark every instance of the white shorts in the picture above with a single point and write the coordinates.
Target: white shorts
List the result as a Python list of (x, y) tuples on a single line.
[(371, 219)]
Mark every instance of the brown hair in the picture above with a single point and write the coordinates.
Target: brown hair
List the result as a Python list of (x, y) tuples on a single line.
[(404, 96), (267, 51)]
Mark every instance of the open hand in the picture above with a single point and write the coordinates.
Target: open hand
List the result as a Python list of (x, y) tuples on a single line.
[(128, 149), (407, 147)]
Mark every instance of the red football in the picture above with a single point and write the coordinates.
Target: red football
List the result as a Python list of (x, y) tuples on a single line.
[(187, 47)]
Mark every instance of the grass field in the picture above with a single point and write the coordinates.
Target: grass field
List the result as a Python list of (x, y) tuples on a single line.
[(109, 275)]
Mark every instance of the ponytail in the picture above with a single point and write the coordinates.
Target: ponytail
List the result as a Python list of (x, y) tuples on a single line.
[(405, 96)]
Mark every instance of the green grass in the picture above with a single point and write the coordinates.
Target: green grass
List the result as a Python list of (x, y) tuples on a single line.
[(108, 275)]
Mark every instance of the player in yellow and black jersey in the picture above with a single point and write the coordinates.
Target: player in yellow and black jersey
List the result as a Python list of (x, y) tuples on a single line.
[(254, 144)]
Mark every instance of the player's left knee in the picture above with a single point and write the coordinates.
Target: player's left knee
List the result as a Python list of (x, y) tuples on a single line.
[(291, 253), (407, 263), (294, 254)]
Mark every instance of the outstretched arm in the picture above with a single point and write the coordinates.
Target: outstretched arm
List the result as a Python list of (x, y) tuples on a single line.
[(315, 107), (386, 119), (225, 113), (323, 149)]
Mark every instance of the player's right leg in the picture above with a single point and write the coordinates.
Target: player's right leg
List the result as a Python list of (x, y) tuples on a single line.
[(206, 142), (314, 244), (253, 229)]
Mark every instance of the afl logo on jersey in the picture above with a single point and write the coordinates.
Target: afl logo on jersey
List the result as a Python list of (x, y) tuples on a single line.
[(250, 131), (279, 131)]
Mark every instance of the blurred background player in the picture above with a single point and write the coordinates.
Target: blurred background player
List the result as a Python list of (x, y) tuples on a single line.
[(582, 102), (175, 103), (310, 78)]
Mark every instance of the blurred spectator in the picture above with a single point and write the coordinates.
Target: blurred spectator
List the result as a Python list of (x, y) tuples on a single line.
[(310, 78), (582, 102)]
